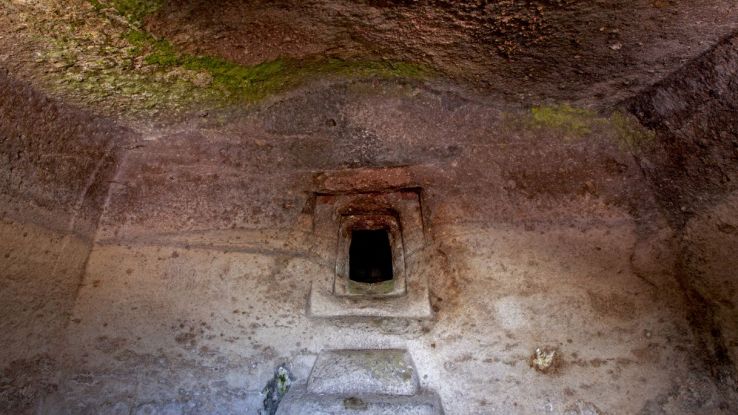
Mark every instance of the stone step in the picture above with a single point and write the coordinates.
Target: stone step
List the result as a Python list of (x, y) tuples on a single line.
[(299, 401), (352, 372), (367, 382)]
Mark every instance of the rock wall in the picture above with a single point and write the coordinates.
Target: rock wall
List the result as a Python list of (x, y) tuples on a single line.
[(693, 112), (55, 167), (540, 234), (170, 273), (693, 168)]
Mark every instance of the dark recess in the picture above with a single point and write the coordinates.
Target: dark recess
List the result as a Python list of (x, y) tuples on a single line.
[(370, 256)]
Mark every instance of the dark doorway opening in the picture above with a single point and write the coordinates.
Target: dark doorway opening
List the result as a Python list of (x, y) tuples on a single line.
[(370, 256)]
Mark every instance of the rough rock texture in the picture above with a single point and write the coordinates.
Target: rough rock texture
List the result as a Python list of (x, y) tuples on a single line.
[(55, 159), (168, 270), (693, 169), (545, 234), (574, 50), (708, 266), (693, 112), (54, 174), (114, 57)]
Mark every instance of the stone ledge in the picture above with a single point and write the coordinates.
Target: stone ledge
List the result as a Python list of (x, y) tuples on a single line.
[(299, 401), (415, 304), (410, 302), (350, 372)]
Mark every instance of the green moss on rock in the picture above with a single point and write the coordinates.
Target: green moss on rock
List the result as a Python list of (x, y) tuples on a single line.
[(632, 135), (567, 122), (98, 53), (251, 83), (133, 10), (572, 121), (245, 82)]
